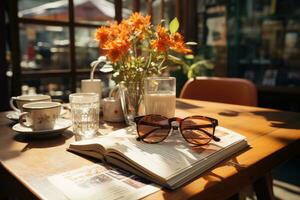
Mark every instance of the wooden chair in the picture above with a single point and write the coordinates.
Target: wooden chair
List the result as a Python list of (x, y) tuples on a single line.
[(234, 91), (225, 90)]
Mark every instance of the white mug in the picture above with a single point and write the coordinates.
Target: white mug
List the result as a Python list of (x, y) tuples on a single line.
[(112, 108), (23, 99), (40, 115), (92, 86)]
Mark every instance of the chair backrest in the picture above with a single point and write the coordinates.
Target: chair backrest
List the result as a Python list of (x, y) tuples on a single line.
[(224, 90)]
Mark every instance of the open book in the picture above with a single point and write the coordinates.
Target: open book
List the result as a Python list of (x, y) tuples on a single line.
[(170, 163)]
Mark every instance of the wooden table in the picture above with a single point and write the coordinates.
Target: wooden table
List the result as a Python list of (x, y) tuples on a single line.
[(273, 135)]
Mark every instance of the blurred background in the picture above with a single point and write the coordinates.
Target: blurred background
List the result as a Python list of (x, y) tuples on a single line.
[(47, 45)]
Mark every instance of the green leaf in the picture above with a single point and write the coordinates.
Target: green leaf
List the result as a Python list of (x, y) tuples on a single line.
[(199, 68), (191, 43), (189, 56), (174, 25), (174, 58), (178, 61)]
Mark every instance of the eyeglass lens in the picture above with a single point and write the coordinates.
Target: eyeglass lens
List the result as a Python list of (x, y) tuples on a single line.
[(195, 130), (153, 128)]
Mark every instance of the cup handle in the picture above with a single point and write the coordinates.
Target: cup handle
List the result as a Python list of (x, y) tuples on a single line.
[(12, 105), (22, 121), (114, 92)]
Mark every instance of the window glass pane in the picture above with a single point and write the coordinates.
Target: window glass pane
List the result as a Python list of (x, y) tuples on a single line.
[(169, 12), (44, 47), (94, 11), (202, 27), (57, 87), (44, 9), (144, 7), (160, 10), (156, 12), (127, 8), (86, 47)]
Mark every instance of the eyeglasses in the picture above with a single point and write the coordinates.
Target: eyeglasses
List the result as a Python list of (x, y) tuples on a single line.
[(197, 130)]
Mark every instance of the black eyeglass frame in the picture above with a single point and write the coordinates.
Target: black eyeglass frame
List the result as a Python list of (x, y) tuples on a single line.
[(214, 123)]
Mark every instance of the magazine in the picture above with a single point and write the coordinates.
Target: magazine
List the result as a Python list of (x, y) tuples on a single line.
[(97, 181), (170, 163)]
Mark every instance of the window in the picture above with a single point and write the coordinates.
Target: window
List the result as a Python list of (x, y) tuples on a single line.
[(53, 45)]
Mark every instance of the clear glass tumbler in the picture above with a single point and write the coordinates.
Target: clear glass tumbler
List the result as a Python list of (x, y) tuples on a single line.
[(85, 113), (160, 96)]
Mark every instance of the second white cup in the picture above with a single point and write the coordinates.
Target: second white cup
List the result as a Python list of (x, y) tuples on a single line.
[(112, 110), (23, 99), (92, 86), (40, 115)]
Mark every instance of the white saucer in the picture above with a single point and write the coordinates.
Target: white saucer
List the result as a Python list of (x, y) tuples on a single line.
[(59, 127), (14, 115)]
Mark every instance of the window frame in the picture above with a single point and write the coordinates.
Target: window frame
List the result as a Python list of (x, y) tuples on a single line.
[(71, 24)]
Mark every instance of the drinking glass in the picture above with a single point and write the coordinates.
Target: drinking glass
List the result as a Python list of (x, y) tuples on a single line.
[(160, 96), (85, 113)]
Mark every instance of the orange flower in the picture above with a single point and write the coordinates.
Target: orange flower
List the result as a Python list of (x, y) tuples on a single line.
[(116, 49), (163, 41), (135, 46), (114, 54), (159, 45), (178, 44), (138, 21), (123, 32), (116, 39), (114, 29), (136, 25), (162, 33), (102, 35)]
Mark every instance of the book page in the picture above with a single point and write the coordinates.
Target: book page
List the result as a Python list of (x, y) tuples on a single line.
[(169, 157), (99, 182), (165, 159), (104, 142)]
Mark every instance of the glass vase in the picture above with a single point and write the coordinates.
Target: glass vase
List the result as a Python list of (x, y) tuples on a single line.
[(131, 95)]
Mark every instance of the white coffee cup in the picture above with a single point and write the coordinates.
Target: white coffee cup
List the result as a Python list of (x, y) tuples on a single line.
[(40, 115), (23, 99), (92, 86), (112, 110)]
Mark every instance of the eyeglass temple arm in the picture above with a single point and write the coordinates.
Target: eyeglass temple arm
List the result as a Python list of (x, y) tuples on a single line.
[(215, 138)]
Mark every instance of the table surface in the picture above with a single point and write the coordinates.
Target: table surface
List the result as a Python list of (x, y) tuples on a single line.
[(273, 135)]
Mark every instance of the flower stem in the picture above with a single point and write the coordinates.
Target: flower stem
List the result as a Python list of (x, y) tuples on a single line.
[(159, 66)]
